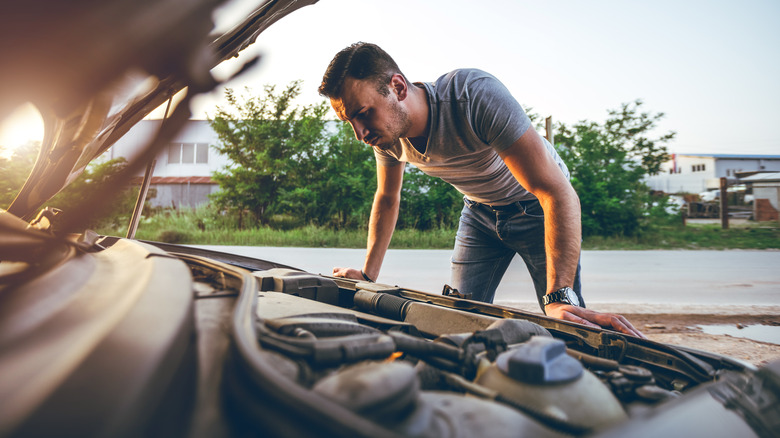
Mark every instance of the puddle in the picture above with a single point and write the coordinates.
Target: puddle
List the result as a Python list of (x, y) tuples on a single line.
[(756, 332)]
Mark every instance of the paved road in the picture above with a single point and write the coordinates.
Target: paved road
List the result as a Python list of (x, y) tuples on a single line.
[(656, 278)]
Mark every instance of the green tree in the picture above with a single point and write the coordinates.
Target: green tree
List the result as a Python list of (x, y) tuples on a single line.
[(274, 147), (89, 184), (349, 180), (14, 169), (607, 164), (428, 202)]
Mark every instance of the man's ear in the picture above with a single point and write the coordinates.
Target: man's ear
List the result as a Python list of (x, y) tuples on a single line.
[(399, 86)]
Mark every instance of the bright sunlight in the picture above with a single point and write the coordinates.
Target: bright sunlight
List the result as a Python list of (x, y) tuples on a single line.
[(20, 127)]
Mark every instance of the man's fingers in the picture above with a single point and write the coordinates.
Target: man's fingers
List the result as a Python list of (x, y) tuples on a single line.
[(630, 327), (347, 273), (621, 324), (607, 320), (339, 272), (568, 316)]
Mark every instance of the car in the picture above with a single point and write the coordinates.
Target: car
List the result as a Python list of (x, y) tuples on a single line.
[(111, 336), (709, 196)]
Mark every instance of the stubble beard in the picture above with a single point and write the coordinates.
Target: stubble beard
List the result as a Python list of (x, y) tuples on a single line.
[(398, 127)]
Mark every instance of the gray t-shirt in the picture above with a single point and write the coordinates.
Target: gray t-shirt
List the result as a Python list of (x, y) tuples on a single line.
[(472, 118)]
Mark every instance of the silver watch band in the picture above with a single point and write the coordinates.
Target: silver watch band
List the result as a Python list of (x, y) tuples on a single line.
[(564, 295)]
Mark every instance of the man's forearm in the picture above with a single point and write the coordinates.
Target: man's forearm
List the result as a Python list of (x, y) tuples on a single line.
[(563, 234), (384, 214)]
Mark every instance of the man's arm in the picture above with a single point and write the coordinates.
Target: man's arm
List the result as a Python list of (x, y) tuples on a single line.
[(384, 214), (528, 160)]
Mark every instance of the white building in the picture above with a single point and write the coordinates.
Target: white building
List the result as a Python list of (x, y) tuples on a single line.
[(696, 173), (182, 171)]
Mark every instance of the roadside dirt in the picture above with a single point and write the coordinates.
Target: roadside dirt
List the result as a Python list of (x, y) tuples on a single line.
[(683, 330), (678, 324)]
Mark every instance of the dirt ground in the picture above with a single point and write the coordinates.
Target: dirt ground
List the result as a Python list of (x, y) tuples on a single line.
[(678, 325), (681, 329)]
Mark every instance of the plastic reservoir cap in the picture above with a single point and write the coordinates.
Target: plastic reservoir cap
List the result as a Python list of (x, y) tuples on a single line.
[(540, 361)]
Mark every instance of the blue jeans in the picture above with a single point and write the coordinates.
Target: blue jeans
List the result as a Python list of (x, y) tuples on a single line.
[(489, 238)]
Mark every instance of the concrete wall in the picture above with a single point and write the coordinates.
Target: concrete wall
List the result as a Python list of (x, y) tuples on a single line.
[(181, 195), (186, 194), (693, 174), (195, 131), (689, 178)]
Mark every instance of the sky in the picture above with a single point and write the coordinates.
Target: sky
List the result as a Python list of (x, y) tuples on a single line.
[(712, 67)]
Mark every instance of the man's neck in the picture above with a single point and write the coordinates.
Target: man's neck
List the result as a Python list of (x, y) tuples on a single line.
[(418, 112)]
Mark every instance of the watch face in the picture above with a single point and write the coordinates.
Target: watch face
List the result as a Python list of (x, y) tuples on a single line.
[(571, 296)]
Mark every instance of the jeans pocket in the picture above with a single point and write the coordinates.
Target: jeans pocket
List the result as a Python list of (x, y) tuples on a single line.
[(532, 208)]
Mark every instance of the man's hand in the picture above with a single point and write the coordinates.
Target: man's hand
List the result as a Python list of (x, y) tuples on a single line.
[(591, 318), (352, 273)]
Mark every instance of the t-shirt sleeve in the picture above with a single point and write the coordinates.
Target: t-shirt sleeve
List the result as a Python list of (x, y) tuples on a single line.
[(385, 159), (497, 117)]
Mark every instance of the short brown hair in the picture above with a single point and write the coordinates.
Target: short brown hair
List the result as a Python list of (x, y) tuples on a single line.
[(359, 61)]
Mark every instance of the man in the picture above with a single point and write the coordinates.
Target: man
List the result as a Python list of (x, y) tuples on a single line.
[(468, 130)]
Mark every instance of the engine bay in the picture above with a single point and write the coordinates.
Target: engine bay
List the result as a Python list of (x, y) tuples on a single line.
[(416, 364)]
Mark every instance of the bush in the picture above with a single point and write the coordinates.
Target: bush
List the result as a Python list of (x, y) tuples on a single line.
[(173, 236), (285, 222)]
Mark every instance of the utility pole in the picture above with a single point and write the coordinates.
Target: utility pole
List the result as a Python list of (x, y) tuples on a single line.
[(724, 203), (548, 126)]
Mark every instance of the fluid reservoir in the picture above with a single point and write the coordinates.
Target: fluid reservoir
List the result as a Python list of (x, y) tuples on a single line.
[(389, 394), (541, 377)]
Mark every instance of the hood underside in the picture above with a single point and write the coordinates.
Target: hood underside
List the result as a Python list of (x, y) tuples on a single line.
[(94, 69)]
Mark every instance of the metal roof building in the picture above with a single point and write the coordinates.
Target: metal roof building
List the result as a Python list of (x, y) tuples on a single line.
[(696, 173), (766, 194)]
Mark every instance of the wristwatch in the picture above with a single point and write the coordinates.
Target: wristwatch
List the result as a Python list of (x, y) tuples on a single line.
[(564, 295)]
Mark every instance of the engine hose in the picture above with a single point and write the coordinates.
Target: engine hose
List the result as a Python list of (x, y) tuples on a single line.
[(422, 348), (590, 361), (330, 351), (382, 304)]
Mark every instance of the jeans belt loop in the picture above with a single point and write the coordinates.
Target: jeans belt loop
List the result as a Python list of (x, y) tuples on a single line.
[(509, 208), (515, 207)]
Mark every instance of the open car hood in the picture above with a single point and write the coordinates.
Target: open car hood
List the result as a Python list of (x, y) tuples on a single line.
[(102, 336), (94, 69)]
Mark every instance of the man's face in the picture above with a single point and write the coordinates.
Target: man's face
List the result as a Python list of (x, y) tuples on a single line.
[(377, 120)]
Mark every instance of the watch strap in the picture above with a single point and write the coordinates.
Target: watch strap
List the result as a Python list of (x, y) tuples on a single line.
[(559, 296)]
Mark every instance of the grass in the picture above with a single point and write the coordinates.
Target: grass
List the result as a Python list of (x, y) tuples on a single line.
[(198, 227), (194, 228), (749, 235)]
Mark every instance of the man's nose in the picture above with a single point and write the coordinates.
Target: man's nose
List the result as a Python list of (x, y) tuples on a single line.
[(360, 131)]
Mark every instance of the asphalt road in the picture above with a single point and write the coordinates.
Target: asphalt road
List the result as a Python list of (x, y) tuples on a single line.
[(642, 279)]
